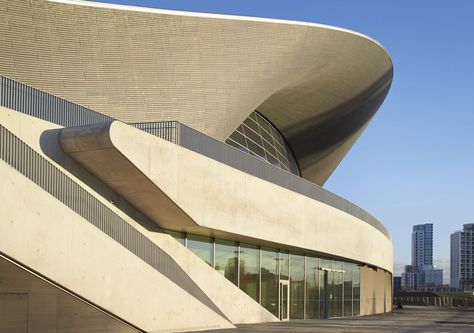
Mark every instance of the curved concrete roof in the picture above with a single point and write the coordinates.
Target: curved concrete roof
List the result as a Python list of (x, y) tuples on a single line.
[(318, 85)]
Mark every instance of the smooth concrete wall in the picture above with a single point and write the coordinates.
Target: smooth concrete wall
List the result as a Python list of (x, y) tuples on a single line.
[(220, 198), (29, 304), (375, 291), (40, 219), (318, 85), (41, 233)]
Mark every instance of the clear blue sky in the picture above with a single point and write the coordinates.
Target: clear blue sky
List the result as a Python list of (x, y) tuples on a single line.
[(415, 162)]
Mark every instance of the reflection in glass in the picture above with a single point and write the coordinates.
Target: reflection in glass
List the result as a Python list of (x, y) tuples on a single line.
[(249, 270), (323, 299), (337, 295), (312, 288), (329, 293), (179, 236), (348, 289), (226, 259), (325, 263), (284, 265), (284, 301), (356, 290), (336, 264), (202, 247), (320, 287), (269, 279), (296, 286)]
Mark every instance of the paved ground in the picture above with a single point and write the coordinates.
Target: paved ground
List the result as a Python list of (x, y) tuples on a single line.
[(412, 319)]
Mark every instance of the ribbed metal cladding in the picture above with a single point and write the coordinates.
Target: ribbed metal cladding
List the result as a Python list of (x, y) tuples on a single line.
[(20, 97), (38, 169)]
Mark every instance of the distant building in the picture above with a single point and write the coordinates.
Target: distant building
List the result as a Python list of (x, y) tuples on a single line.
[(412, 278), (421, 274), (432, 277), (422, 245), (462, 259), (397, 283)]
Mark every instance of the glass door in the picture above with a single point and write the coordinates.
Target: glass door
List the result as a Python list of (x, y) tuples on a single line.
[(284, 309), (337, 294), (331, 294), (323, 283)]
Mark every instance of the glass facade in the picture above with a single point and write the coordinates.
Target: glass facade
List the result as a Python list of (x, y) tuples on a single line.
[(202, 247), (318, 287), (297, 292), (269, 267), (250, 270), (226, 259), (312, 288), (348, 289), (258, 137)]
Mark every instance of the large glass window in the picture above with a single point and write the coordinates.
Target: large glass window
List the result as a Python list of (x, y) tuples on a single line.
[(249, 270), (312, 288), (326, 263), (179, 236), (319, 287), (258, 137), (356, 290), (269, 279), (297, 275), (226, 259), (323, 306), (284, 266), (202, 247), (337, 296), (348, 289), (337, 289)]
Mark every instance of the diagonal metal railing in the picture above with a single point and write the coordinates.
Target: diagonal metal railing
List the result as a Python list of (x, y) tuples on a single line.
[(28, 100)]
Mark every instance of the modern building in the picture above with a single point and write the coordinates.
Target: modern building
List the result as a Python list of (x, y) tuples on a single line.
[(422, 245), (164, 170), (462, 259), (412, 278), (397, 283), (421, 274)]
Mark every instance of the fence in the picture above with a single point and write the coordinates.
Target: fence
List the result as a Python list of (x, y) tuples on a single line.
[(433, 301), (43, 173), (20, 97)]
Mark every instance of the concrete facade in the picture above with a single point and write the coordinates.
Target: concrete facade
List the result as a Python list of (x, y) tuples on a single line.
[(107, 227)]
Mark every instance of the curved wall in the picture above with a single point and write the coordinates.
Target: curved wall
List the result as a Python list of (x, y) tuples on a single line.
[(319, 85), (206, 196)]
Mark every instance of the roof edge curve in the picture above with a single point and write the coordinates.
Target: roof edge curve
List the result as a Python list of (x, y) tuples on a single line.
[(143, 9)]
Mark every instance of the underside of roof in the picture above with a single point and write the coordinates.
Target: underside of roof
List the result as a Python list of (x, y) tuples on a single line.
[(319, 85)]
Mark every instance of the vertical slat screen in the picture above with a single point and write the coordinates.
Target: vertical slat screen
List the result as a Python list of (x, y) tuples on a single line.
[(38, 169)]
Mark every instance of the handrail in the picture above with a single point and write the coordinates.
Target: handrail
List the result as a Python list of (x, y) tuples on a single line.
[(50, 178), (23, 98)]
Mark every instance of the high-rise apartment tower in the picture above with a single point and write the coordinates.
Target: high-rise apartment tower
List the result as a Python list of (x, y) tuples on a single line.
[(422, 245), (462, 258)]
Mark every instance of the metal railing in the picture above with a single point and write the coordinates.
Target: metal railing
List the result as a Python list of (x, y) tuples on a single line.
[(205, 145), (20, 97), (168, 130), (36, 103), (43, 173), (426, 300)]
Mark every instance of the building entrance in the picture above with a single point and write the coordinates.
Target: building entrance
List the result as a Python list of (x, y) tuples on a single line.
[(331, 293), (284, 308)]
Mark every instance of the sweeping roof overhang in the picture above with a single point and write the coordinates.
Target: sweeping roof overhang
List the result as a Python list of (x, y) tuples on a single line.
[(319, 85)]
